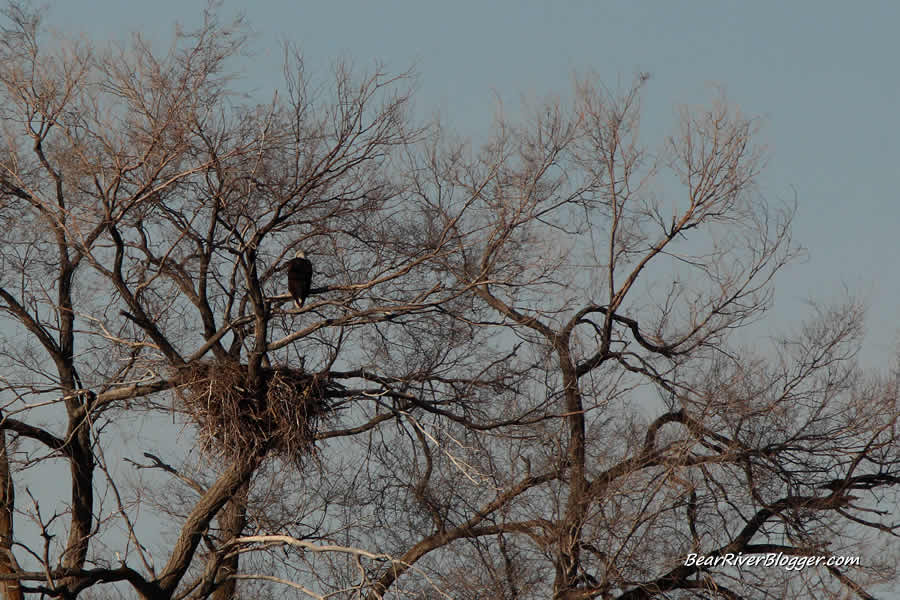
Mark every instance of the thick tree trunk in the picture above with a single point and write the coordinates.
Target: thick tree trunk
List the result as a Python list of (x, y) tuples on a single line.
[(232, 522), (8, 565), (229, 484)]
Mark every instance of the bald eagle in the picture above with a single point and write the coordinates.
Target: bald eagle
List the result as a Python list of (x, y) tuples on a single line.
[(299, 278)]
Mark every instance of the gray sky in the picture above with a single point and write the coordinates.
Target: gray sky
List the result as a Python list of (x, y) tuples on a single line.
[(821, 75)]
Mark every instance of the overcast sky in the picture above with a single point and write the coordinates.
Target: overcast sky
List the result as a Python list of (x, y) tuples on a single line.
[(821, 76)]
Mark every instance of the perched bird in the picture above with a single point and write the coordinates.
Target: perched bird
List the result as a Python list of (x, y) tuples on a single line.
[(299, 278)]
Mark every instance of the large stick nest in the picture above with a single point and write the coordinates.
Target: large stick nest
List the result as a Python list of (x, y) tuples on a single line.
[(235, 417)]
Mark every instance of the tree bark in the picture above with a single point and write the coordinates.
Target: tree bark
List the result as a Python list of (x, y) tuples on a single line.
[(8, 564)]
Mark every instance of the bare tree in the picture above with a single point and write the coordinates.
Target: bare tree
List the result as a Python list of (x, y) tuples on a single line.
[(519, 373)]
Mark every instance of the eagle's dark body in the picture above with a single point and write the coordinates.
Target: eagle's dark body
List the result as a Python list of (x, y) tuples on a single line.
[(299, 278)]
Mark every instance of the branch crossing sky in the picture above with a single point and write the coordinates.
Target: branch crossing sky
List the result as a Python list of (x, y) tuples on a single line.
[(821, 75)]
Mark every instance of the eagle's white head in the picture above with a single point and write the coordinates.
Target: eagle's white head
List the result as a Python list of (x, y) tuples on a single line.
[(300, 254)]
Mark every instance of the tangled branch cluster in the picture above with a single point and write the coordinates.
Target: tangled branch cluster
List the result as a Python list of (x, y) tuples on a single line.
[(234, 417)]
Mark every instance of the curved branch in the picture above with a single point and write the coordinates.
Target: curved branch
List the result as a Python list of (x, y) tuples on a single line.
[(34, 433)]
